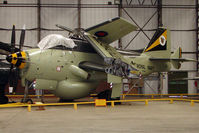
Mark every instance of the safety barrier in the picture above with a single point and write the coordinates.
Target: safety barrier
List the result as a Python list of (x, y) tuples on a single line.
[(160, 95), (31, 96), (123, 95), (75, 104)]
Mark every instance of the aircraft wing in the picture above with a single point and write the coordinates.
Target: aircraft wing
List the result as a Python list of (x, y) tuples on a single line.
[(128, 53), (92, 66), (131, 51), (118, 65), (101, 35), (100, 48), (184, 60), (105, 33), (110, 31), (189, 78), (174, 59)]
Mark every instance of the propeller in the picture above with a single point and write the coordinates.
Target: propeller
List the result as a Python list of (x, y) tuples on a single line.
[(22, 38), (13, 39), (65, 28), (5, 48), (9, 49), (75, 32)]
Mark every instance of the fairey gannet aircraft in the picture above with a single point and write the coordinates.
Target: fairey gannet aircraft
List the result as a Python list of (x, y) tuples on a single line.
[(72, 67)]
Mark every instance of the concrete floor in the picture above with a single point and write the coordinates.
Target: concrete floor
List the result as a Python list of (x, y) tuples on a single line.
[(157, 117)]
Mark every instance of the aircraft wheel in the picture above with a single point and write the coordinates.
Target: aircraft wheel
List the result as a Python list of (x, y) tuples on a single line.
[(4, 100), (117, 98), (65, 100), (105, 95), (29, 101)]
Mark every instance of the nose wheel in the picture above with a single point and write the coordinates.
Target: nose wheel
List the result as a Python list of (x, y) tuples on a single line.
[(27, 100)]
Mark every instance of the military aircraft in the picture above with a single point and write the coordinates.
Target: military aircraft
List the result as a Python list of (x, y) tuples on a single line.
[(72, 67)]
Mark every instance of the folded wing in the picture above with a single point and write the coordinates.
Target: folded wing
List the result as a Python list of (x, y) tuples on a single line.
[(110, 31)]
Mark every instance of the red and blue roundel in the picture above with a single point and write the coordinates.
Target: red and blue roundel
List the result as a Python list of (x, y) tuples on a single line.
[(101, 33)]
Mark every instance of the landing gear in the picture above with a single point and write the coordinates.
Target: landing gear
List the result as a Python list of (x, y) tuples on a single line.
[(26, 98), (107, 95), (65, 100)]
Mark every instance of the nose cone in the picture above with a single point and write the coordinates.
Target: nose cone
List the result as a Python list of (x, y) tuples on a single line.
[(17, 59)]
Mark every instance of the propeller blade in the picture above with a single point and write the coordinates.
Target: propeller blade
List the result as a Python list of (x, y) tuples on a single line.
[(5, 48), (3, 52), (11, 75), (9, 58), (22, 37), (9, 50), (2, 60), (13, 39), (15, 80), (64, 28)]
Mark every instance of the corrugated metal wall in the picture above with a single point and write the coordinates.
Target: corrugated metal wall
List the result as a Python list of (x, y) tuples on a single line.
[(18, 16), (182, 19), (175, 19)]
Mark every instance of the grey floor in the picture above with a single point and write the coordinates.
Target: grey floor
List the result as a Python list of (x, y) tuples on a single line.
[(157, 117)]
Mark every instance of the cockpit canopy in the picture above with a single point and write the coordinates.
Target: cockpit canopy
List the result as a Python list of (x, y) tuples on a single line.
[(54, 40)]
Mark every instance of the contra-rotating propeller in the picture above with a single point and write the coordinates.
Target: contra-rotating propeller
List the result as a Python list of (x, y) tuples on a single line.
[(75, 32), (12, 57)]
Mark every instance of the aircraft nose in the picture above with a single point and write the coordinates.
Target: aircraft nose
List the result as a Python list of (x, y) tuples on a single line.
[(17, 59), (12, 58)]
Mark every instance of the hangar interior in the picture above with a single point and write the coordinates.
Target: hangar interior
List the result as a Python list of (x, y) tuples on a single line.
[(180, 16)]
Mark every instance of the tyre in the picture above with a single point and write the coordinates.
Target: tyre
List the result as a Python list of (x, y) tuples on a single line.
[(29, 101)]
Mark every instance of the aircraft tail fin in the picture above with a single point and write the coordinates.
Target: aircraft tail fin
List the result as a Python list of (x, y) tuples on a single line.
[(159, 45)]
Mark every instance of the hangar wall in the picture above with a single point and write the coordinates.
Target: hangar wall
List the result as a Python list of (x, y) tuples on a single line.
[(182, 23), (177, 19), (180, 19), (18, 16)]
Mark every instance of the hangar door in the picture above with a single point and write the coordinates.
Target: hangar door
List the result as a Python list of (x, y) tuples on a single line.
[(177, 86)]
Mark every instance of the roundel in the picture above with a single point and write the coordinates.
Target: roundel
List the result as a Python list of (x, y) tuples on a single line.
[(101, 33), (162, 40)]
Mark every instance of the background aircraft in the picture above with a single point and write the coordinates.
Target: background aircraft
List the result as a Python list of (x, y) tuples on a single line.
[(72, 67)]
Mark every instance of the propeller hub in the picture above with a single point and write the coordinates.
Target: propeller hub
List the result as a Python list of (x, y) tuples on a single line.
[(17, 59), (9, 58)]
